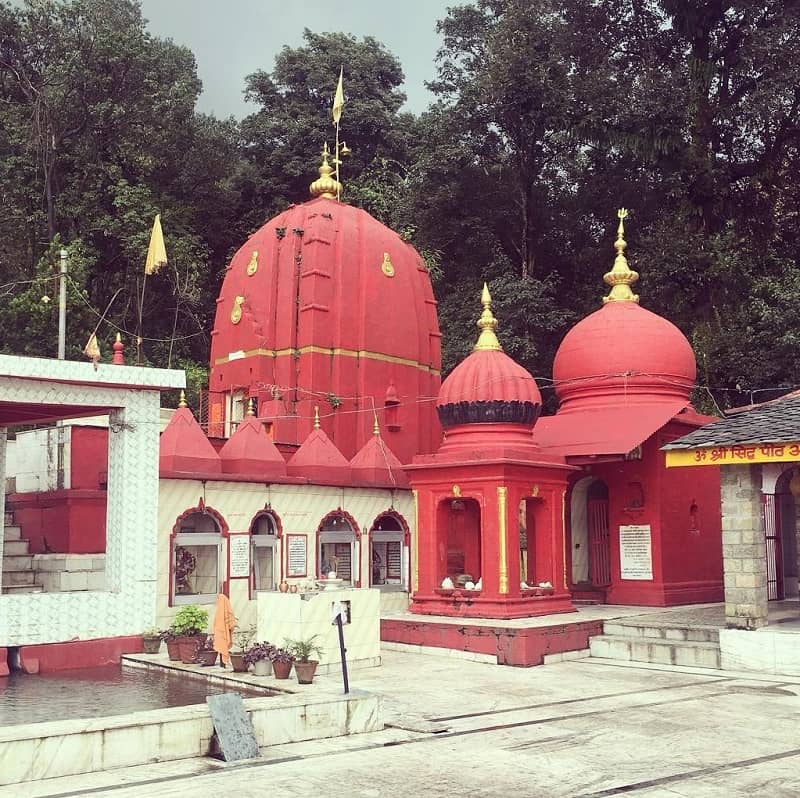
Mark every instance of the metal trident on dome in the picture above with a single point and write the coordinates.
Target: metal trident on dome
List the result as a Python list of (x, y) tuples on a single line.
[(487, 323), (621, 277)]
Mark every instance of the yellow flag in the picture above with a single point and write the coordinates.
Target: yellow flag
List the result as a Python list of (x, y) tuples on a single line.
[(92, 349), (156, 252), (338, 99)]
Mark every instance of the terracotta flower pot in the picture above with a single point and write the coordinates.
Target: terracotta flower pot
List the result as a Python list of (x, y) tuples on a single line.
[(189, 644), (151, 644), (174, 650), (207, 657), (305, 671), (283, 586), (281, 669), (237, 661)]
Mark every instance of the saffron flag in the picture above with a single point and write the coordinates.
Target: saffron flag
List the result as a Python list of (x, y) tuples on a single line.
[(338, 99), (156, 252), (92, 349)]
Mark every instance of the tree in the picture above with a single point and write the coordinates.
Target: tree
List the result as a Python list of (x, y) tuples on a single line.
[(284, 137)]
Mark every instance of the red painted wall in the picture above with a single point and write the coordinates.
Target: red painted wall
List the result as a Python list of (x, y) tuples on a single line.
[(89, 457), (77, 653), (687, 568), (72, 521)]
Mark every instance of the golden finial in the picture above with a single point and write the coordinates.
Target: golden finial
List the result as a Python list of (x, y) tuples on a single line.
[(376, 430), (182, 400), (325, 185), (316, 418), (251, 410), (487, 340), (621, 277)]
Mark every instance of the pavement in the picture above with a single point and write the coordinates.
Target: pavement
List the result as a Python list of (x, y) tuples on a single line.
[(585, 729)]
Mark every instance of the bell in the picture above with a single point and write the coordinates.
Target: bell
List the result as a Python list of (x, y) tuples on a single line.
[(344, 150)]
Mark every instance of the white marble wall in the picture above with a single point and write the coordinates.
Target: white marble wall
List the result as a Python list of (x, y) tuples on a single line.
[(766, 650), (127, 606), (64, 748), (296, 615)]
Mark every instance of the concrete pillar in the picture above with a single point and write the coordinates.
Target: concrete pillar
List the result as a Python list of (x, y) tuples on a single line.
[(744, 558)]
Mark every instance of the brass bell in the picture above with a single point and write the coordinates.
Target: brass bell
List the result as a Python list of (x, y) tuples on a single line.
[(344, 150)]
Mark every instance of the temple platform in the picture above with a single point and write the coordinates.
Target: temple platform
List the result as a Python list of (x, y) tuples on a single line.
[(522, 642)]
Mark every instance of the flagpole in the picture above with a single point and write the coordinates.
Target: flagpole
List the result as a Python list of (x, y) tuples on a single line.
[(139, 330)]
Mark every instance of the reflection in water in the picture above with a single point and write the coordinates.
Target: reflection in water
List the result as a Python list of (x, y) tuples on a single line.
[(99, 692)]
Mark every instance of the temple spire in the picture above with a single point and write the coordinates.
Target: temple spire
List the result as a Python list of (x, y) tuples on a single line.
[(376, 430), (182, 400), (487, 323), (621, 277), (316, 418), (251, 411), (325, 185)]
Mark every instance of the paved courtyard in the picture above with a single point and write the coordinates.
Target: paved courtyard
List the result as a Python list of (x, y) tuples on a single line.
[(456, 727)]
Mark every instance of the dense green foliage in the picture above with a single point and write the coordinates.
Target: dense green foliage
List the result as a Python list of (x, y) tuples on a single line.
[(548, 115)]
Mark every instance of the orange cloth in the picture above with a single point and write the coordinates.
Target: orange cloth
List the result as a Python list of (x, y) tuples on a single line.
[(224, 623)]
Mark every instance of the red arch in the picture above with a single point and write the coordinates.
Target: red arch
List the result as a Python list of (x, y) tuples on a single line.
[(203, 509), (223, 527), (274, 516), (356, 535)]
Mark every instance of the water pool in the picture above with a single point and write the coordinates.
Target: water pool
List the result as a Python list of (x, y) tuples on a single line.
[(102, 692)]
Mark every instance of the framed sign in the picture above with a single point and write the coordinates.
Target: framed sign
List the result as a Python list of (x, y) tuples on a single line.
[(635, 552), (296, 555), (239, 556)]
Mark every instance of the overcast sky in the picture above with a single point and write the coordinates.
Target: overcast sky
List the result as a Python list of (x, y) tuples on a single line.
[(232, 38)]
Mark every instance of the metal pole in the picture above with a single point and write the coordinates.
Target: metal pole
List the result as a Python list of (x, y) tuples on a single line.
[(62, 306), (343, 652)]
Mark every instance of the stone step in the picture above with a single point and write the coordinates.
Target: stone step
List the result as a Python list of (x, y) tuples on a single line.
[(11, 532), (664, 652), (15, 548), (17, 563), (696, 634), (23, 589), (18, 578)]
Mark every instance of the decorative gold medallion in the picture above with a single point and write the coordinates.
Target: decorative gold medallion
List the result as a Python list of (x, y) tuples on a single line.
[(236, 311), (252, 267), (386, 267), (457, 491)]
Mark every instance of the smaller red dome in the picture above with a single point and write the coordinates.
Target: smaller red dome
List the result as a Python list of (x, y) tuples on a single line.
[(623, 350), (488, 386)]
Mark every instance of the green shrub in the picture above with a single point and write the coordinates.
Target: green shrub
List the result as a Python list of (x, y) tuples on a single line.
[(190, 620)]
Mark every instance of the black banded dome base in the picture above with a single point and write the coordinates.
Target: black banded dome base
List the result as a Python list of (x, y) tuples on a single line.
[(495, 411)]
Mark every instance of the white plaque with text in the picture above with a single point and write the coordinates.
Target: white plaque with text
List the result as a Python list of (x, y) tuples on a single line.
[(296, 555), (635, 552), (239, 555)]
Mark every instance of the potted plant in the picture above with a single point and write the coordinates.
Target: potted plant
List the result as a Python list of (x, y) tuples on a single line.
[(190, 624), (151, 641), (302, 651), (282, 662), (171, 639), (259, 655), (241, 642), (206, 655)]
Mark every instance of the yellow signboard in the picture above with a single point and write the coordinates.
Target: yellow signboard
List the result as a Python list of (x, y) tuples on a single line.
[(732, 455)]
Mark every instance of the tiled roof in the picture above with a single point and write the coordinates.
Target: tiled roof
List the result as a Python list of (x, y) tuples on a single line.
[(773, 422)]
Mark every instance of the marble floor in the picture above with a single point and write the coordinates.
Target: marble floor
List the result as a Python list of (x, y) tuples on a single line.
[(583, 729)]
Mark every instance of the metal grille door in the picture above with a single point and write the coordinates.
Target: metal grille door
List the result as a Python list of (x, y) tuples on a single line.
[(774, 546), (599, 549)]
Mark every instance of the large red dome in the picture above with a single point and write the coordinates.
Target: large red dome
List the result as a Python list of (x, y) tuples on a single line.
[(324, 305), (622, 350)]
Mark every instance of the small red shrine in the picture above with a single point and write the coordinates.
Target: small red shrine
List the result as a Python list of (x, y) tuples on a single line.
[(486, 488), (637, 532)]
